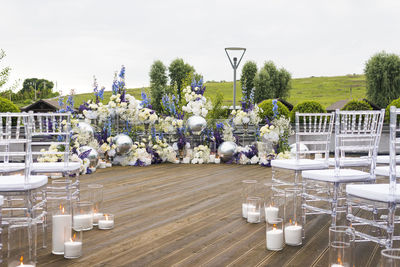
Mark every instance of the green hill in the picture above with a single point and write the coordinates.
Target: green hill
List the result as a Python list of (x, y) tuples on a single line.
[(325, 90)]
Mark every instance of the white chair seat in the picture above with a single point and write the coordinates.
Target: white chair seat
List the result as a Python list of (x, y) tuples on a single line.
[(345, 175), (384, 171), (55, 166), (375, 192), (44, 167), (16, 182), (11, 167), (351, 162), (384, 159), (301, 164)]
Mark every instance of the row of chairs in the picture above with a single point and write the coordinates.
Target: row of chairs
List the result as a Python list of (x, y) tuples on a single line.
[(23, 179), (346, 183)]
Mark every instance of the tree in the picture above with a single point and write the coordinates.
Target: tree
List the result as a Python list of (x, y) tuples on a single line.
[(382, 73), (158, 84), (271, 82), (179, 74), (43, 88), (4, 72), (249, 72)]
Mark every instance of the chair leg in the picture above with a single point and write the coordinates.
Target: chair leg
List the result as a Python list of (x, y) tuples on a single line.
[(304, 209), (390, 224), (44, 224), (334, 203)]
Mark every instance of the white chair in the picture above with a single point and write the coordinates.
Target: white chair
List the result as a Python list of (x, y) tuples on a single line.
[(48, 129), (313, 130), (374, 197), (355, 132), (24, 194)]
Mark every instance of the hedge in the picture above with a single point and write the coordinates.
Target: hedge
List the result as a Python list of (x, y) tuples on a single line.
[(395, 103), (306, 107), (357, 105), (7, 106), (267, 106)]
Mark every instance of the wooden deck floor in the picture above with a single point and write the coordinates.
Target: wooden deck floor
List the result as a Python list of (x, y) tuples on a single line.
[(190, 215)]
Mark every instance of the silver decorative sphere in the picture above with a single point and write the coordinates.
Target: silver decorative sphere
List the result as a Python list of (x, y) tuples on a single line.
[(196, 124), (124, 144), (226, 150), (93, 155), (85, 127)]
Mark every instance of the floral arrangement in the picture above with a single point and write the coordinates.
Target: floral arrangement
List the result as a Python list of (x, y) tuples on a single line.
[(197, 104), (248, 114), (277, 133), (147, 116), (170, 124), (201, 154), (246, 155), (50, 154)]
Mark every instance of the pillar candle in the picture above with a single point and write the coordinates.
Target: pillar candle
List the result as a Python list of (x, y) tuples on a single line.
[(83, 222), (293, 235), (271, 213), (59, 222), (275, 239), (72, 249)]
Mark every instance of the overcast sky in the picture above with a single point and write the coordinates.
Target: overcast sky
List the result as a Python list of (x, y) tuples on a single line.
[(70, 41)]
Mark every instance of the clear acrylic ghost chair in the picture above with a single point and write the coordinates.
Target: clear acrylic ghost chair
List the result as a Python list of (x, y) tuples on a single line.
[(378, 197), (355, 132), (1, 230), (24, 193), (54, 129), (313, 130)]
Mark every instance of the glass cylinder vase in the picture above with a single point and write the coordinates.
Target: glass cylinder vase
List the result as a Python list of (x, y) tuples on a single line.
[(341, 246), (390, 258), (273, 203), (248, 190), (274, 234), (22, 243), (253, 209), (96, 197), (293, 227), (82, 219), (61, 221), (72, 244)]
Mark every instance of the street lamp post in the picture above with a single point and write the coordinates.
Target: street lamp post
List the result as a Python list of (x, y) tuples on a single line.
[(235, 65)]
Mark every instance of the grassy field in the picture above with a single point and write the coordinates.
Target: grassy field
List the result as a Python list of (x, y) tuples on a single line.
[(325, 90)]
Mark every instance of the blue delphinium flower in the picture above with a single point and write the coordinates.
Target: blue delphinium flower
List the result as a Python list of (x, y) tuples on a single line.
[(61, 101), (115, 85), (145, 100), (275, 108)]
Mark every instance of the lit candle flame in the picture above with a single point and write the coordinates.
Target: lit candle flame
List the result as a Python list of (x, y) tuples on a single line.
[(106, 217), (21, 260), (62, 209), (339, 261), (73, 238), (274, 227)]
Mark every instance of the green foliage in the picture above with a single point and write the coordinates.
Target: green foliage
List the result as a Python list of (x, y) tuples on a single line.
[(158, 84), (4, 72), (306, 107), (7, 106), (44, 89), (357, 105), (382, 72), (395, 103), (271, 82), (180, 74), (267, 106), (249, 72), (217, 111)]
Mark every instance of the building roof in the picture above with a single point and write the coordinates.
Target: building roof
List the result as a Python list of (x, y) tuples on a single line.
[(43, 105), (337, 105)]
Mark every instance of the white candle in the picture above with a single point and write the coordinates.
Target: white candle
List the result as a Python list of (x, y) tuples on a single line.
[(186, 160), (176, 161), (217, 161), (96, 217), (318, 156), (72, 249), (106, 224), (275, 239), (293, 235), (60, 222), (271, 214), (212, 158), (83, 222), (253, 216), (102, 165), (108, 164)]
